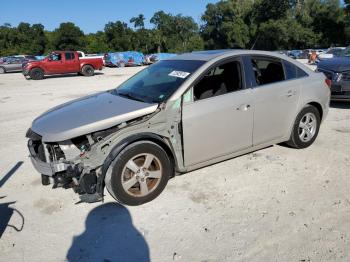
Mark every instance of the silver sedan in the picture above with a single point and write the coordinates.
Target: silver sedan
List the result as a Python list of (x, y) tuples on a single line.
[(175, 116)]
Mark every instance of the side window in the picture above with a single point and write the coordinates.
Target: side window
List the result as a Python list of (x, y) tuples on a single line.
[(267, 71), (69, 56), (80, 54), (293, 71), (56, 57), (222, 79), (301, 73)]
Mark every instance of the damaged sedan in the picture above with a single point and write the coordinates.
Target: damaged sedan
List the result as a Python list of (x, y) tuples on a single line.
[(175, 116)]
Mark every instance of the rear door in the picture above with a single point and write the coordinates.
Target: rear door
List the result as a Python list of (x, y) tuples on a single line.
[(276, 98), (219, 118), (71, 62)]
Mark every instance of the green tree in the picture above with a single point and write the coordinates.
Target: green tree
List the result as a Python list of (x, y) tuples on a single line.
[(23, 39), (173, 33), (119, 36), (225, 24), (68, 36), (39, 40), (96, 43), (139, 21)]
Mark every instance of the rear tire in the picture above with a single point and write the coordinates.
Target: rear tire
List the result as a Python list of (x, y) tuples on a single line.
[(2, 70), (36, 74), (139, 173), (305, 128), (88, 70)]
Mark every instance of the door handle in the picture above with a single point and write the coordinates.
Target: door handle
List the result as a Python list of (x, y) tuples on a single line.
[(290, 93), (244, 107)]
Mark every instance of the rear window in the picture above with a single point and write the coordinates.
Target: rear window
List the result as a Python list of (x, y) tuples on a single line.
[(267, 71), (69, 56), (292, 71)]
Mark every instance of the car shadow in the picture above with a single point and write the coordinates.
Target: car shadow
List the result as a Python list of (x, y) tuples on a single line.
[(10, 173), (109, 236), (340, 105), (6, 213), (69, 75)]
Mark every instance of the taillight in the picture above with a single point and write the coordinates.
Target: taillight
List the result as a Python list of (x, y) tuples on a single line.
[(328, 82)]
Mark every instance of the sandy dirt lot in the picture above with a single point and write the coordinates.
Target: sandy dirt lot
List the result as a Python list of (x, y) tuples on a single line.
[(277, 204)]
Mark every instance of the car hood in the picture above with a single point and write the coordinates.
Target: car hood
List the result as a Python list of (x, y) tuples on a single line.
[(336, 64), (88, 114)]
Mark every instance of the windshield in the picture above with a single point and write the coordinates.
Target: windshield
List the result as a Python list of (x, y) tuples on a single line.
[(159, 81)]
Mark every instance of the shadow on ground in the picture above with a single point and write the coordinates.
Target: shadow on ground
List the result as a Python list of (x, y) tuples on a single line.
[(6, 211), (340, 105), (109, 236), (70, 75), (13, 170)]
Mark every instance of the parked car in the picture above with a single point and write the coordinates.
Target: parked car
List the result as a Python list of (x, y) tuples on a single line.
[(299, 54), (337, 70), (177, 115), (62, 62), (331, 52), (12, 64), (295, 54), (320, 51)]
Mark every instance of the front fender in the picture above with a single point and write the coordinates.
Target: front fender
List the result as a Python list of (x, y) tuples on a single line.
[(124, 143)]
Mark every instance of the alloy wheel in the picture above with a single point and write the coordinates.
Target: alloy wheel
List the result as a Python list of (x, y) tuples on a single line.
[(141, 175), (307, 127)]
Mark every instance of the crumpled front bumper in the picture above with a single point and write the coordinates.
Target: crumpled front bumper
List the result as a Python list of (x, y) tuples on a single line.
[(48, 169)]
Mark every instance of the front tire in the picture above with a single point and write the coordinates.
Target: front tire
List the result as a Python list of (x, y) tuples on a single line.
[(2, 70), (305, 128), (139, 173), (45, 180), (36, 74), (88, 70)]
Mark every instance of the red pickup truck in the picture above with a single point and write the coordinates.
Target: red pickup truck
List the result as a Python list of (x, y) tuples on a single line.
[(61, 62)]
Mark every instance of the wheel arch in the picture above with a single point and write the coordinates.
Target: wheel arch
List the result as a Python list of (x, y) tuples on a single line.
[(86, 64), (159, 140), (36, 67), (318, 107)]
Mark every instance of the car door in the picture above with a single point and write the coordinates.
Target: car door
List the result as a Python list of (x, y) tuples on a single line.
[(55, 64), (71, 64), (219, 118), (14, 65), (275, 99)]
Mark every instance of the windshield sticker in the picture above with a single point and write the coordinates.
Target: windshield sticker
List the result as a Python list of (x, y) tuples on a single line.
[(179, 74)]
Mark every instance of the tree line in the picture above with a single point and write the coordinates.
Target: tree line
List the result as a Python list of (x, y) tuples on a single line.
[(249, 24)]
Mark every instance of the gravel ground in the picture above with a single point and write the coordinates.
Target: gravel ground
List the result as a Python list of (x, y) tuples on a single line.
[(276, 204)]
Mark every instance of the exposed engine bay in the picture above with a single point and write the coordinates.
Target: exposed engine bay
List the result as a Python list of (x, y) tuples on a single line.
[(65, 164)]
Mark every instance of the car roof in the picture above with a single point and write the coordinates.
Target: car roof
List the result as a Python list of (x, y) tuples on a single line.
[(212, 54)]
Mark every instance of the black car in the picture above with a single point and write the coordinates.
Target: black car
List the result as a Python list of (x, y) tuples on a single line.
[(338, 71)]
